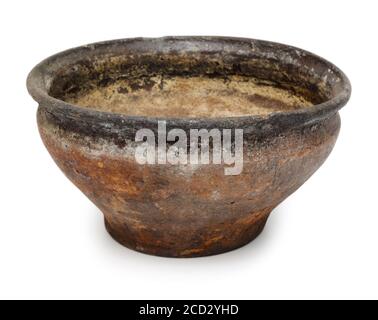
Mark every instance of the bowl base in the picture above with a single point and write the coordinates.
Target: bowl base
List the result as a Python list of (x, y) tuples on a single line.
[(246, 233)]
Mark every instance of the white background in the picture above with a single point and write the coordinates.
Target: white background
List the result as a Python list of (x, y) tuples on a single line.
[(322, 242)]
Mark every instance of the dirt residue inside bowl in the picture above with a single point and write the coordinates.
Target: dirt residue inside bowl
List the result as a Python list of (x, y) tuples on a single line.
[(195, 96)]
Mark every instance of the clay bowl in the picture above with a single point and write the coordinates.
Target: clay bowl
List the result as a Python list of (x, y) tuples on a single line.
[(94, 99)]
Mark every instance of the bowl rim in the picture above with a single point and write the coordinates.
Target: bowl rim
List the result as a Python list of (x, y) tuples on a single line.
[(38, 89)]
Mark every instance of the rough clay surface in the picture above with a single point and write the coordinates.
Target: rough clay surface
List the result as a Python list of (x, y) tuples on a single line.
[(190, 97), (189, 211)]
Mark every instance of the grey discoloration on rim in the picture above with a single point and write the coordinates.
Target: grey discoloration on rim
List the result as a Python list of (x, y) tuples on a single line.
[(41, 77)]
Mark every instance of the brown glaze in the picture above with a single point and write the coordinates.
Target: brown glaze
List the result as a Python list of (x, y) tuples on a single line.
[(290, 125)]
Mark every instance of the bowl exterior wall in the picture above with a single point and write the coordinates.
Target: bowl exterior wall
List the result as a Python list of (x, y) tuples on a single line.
[(188, 210)]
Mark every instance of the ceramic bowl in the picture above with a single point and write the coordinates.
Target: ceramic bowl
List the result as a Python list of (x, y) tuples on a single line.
[(93, 101)]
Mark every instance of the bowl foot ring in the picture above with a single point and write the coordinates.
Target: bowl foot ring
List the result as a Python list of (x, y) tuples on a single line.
[(240, 235)]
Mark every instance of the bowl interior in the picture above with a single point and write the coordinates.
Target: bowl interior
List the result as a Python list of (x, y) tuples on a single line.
[(170, 81)]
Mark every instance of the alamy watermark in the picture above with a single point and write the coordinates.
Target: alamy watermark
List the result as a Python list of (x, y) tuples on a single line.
[(173, 147)]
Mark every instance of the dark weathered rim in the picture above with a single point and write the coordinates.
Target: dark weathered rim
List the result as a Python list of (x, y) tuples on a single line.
[(102, 121)]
